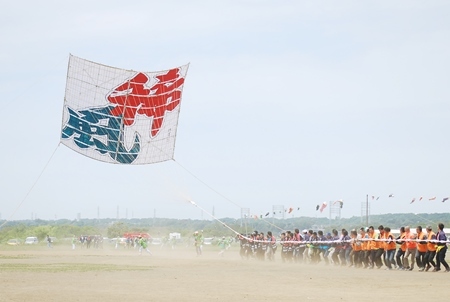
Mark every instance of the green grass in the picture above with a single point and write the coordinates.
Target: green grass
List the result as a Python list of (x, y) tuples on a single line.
[(69, 267), (19, 256)]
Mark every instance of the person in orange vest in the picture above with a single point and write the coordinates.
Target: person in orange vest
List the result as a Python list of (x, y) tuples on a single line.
[(401, 251), (411, 249), (379, 256), (421, 248), (355, 255), (441, 249), (431, 249), (363, 236), (382, 245), (389, 248), (373, 247)]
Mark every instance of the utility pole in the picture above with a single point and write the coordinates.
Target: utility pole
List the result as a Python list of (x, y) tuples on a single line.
[(367, 210)]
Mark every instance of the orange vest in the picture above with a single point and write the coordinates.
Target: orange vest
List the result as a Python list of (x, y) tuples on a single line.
[(356, 246), (380, 244), (410, 244), (421, 247), (403, 245), (373, 245), (364, 243), (431, 246), (389, 245)]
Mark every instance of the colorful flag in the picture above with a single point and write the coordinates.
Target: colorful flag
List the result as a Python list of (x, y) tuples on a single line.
[(340, 201)]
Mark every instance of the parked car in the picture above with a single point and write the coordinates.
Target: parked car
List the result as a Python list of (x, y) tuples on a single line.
[(13, 242), (31, 240)]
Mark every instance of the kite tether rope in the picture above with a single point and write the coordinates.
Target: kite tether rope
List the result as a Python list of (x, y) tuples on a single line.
[(31, 189), (218, 193), (208, 186)]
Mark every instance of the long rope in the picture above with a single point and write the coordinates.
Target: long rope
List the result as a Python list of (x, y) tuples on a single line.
[(31, 188), (208, 186), (223, 223), (273, 225), (218, 193), (212, 216)]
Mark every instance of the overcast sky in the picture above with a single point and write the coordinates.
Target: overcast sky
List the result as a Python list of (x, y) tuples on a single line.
[(288, 103)]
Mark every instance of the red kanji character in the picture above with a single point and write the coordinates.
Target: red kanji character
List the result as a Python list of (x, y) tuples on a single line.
[(133, 97)]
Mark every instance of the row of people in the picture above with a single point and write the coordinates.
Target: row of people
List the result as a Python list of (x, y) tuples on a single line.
[(366, 248)]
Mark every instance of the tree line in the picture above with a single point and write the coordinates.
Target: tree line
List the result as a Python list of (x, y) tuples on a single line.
[(161, 227)]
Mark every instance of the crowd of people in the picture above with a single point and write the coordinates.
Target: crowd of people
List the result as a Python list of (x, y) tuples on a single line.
[(363, 248), (86, 241)]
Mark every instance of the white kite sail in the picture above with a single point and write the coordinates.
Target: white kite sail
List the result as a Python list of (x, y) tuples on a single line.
[(121, 116)]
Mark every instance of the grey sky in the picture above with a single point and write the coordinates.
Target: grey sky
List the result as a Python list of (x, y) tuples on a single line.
[(285, 103)]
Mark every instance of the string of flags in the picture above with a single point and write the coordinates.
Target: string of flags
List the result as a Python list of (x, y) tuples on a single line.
[(261, 216), (321, 207), (414, 199)]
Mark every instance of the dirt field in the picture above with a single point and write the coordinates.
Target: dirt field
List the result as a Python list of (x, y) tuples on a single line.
[(62, 274)]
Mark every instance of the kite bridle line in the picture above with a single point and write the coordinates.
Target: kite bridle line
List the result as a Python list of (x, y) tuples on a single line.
[(32, 187), (425, 219), (218, 193), (262, 219), (205, 184), (225, 225), (212, 216)]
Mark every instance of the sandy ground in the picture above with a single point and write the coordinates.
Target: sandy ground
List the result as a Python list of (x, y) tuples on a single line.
[(62, 274)]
